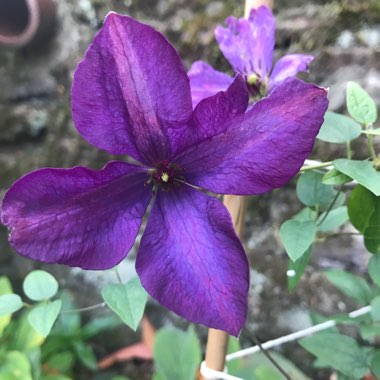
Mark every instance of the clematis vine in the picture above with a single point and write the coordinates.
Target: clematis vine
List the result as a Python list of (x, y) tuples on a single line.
[(131, 95), (248, 44)]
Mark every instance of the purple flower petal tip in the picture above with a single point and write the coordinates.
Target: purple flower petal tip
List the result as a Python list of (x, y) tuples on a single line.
[(192, 262), (289, 66), (118, 91), (248, 44), (205, 81), (263, 148), (63, 215)]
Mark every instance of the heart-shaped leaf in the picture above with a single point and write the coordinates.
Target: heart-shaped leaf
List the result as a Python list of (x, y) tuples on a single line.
[(9, 303), (338, 129), (360, 105), (40, 285), (297, 237), (361, 171), (127, 301), (43, 316)]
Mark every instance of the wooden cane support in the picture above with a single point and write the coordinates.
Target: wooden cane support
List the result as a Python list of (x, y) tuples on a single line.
[(256, 4)]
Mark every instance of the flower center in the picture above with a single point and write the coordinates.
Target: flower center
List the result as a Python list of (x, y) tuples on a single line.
[(257, 86), (166, 175)]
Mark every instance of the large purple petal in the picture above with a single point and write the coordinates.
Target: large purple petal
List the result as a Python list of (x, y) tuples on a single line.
[(213, 114), (263, 148), (205, 81), (192, 262), (289, 66), (78, 217), (131, 94), (249, 44)]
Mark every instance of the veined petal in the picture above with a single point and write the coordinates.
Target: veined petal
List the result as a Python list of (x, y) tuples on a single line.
[(131, 94), (78, 217), (263, 27), (263, 148), (212, 115), (289, 66), (248, 44), (206, 81), (192, 262)]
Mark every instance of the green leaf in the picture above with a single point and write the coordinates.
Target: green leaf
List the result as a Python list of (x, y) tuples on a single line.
[(35, 358), (375, 364), (335, 177), (297, 268), (369, 332), (364, 213), (266, 373), (15, 366), (5, 288), (127, 301), (352, 286), (375, 309), (98, 325), (312, 192), (158, 376), (68, 322), (361, 171), (260, 359), (338, 351), (40, 285), (23, 337), (374, 269), (343, 319), (305, 215), (43, 316), (61, 362), (334, 219), (360, 105), (297, 237), (233, 366), (372, 131), (338, 129), (9, 303), (361, 206), (86, 355), (371, 233), (177, 354)]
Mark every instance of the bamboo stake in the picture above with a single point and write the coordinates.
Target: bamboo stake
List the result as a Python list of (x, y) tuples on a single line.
[(256, 4), (217, 340)]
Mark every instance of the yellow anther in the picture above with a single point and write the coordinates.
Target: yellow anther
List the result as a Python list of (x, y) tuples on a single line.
[(253, 79), (165, 177)]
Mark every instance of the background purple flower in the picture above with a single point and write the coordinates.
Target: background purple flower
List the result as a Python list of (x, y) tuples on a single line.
[(131, 95), (248, 45)]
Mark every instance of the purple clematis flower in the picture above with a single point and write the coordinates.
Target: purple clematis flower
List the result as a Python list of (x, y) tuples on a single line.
[(248, 45), (131, 95)]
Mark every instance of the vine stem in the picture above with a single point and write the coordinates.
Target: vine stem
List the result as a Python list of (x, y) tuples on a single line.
[(348, 150), (371, 148), (316, 166)]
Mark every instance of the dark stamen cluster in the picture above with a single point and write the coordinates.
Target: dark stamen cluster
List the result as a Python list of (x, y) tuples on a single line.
[(166, 175)]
